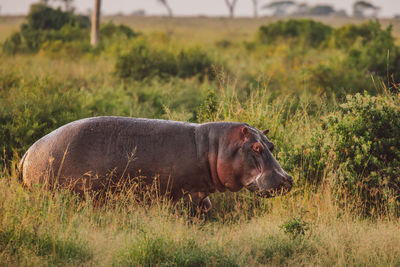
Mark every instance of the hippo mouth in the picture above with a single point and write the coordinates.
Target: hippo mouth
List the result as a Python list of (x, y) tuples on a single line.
[(281, 190)]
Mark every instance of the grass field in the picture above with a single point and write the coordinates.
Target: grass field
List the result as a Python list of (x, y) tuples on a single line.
[(281, 86)]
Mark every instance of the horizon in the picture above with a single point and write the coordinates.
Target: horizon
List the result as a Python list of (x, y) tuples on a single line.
[(181, 8)]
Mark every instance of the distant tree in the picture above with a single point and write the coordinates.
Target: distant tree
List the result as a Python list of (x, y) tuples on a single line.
[(67, 4), (302, 9), (94, 36), (166, 5), (255, 8), (322, 10), (280, 8), (231, 7), (361, 8)]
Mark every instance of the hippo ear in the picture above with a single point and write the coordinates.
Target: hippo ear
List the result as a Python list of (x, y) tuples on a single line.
[(244, 132), (266, 132)]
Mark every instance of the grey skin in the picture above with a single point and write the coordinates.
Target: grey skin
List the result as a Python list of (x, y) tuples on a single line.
[(189, 160)]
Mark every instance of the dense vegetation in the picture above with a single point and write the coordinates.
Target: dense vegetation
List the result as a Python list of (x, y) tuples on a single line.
[(330, 97)]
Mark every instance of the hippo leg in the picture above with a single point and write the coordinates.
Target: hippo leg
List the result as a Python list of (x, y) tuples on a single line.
[(198, 202), (205, 206)]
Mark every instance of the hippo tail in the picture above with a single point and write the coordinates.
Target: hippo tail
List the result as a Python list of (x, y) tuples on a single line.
[(20, 170)]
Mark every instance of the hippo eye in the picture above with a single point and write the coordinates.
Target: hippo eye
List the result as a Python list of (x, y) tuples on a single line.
[(257, 147)]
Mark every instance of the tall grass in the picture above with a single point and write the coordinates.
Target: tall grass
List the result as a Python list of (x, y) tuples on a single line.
[(290, 90), (39, 227)]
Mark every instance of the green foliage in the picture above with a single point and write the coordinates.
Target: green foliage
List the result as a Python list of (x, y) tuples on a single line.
[(208, 109), (367, 147), (344, 59), (43, 17), (194, 62), (58, 48), (45, 24), (348, 151), (223, 44), (110, 30), (144, 62), (13, 44), (309, 158), (336, 78), (295, 227), (359, 146), (42, 245), (28, 111), (150, 250), (278, 251), (370, 48), (304, 31)]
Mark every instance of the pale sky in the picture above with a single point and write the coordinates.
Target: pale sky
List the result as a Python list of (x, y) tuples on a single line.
[(190, 7)]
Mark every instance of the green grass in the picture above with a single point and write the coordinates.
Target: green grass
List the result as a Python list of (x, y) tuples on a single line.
[(269, 87), (43, 228)]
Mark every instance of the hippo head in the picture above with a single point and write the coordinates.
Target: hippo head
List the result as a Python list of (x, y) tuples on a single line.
[(245, 160)]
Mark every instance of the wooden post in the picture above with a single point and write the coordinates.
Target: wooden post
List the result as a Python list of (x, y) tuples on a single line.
[(94, 37)]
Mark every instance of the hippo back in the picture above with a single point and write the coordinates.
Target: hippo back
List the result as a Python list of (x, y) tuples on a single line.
[(99, 148)]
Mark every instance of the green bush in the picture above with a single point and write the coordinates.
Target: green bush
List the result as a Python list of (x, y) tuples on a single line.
[(72, 50), (295, 227), (29, 110), (357, 148), (379, 55), (303, 31), (366, 133), (143, 62), (370, 49), (336, 78), (194, 61), (309, 159), (43, 17), (44, 24), (110, 30)]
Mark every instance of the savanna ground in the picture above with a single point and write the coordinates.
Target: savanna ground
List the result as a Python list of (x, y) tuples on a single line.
[(344, 208)]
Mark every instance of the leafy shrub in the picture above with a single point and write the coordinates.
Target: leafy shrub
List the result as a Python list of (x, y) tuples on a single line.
[(295, 227), (43, 17), (367, 146), (309, 159), (194, 61), (359, 145), (110, 30), (223, 44), (13, 44), (208, 109), (143, 62), (335, 77), (302, 31), (72, 50), (46, 24), (30, 110), (362, 51), (370, 48)]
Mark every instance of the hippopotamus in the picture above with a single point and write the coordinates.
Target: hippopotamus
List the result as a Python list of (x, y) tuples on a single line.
[(188, 159)]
